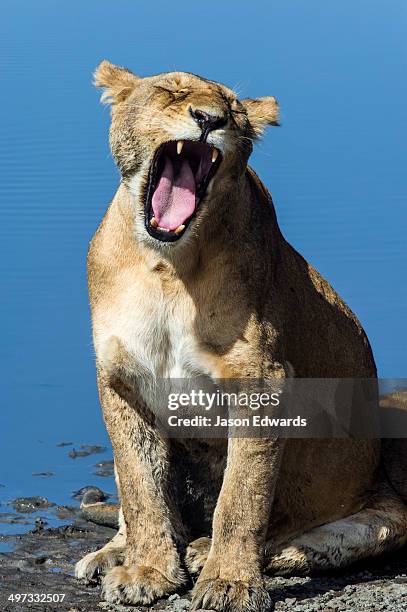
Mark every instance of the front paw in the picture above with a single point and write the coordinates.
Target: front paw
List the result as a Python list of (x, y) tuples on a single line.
[(230, 596), (136, 584), (99, 562)]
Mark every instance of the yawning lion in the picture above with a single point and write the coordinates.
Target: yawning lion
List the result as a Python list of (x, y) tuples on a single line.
[(189, 275)]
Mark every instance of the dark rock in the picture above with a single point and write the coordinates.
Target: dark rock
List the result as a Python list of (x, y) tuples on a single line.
[(104, 473), (86, 450), (94, 449), (30, 504), (73, 454), (105, 468), (40, 523), (90, 495), (40, 560), (105, 464)]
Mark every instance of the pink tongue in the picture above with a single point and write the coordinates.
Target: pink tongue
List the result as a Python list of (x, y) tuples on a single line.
[(174, 199)]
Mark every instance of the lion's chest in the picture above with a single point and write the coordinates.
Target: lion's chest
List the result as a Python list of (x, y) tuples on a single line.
[(150, 333)]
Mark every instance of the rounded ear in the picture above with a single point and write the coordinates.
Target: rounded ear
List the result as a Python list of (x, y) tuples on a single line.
[(261, 112), (118, 82)]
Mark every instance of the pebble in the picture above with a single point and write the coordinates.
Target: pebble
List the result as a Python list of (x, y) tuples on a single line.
[(180, 604)]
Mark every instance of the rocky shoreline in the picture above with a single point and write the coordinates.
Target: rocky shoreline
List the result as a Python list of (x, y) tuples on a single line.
[(42, 561)]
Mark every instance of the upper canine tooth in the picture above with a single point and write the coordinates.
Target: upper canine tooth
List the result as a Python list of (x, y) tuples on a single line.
[(180, 229), (153, 222), (180, 144), (215, 154)]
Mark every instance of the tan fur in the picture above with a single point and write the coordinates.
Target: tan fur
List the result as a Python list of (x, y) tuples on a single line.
[(230, 299)]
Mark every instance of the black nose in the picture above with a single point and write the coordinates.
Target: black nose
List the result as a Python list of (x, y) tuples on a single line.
[(207, 122)]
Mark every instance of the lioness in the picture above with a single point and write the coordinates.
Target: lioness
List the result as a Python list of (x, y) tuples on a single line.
[(189, 274)]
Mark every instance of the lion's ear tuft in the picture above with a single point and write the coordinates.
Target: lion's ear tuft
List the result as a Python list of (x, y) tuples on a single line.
[(118, 82), (261, 112)]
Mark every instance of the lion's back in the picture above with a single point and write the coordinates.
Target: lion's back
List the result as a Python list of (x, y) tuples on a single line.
[(325, 338)]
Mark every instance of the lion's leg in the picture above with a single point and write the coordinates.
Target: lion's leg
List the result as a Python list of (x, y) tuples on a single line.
[(155, 534), (96, 563), (112, 554), (380, 527), (231, 578)]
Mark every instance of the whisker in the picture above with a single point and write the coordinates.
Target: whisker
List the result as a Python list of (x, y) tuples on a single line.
[(238, 88)]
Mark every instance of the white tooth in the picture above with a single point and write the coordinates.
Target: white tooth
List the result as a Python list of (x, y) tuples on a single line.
[(179, 229), (163, 229), (180, 144), (153, 222), (215, 154)]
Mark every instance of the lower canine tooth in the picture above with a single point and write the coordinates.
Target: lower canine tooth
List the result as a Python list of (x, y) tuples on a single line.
[(215, 154), (153, 222), (180, 229), (180, 144)]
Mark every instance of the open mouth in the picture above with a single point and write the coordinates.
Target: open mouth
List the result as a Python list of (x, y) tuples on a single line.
[(177, 183)]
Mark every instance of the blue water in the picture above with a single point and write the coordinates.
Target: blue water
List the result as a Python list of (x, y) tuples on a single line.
[(336, 169)]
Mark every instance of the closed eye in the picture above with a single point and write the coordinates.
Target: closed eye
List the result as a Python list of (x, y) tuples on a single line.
[(178, 93), (161, 88)]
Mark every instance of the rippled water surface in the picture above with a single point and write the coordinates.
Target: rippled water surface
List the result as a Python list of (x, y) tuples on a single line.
[(336, 168)]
